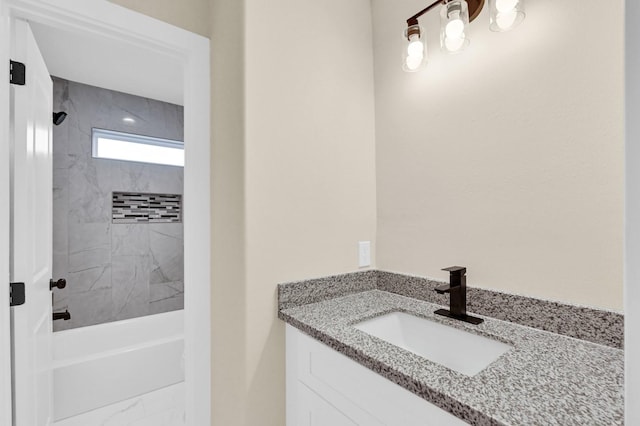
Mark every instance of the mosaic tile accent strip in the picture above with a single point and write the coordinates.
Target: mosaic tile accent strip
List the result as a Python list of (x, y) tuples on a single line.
[(165, 208), (135, 207)]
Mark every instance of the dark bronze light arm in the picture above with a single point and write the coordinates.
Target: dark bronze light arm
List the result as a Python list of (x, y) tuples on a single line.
[(414, 19)]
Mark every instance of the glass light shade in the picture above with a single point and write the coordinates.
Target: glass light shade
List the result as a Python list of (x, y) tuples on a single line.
[(454, 21), (414, 52), (505, 14)]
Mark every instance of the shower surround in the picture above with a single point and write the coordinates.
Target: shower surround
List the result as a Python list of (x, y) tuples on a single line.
[(114, 271)]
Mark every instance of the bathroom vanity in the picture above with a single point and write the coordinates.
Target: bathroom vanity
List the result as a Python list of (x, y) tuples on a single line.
[(325, 387), (341, 370)]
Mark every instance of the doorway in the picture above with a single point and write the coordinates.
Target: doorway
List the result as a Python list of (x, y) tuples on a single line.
[(111, 47)]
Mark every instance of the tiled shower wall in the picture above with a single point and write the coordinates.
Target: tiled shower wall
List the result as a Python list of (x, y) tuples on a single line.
[(113, 271)]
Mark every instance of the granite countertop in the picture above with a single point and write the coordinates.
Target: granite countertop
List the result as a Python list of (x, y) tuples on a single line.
[(546, 379)]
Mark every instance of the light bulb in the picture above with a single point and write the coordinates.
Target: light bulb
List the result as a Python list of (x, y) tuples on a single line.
[(454, 18), (413, 62), (454, 44), (506, 14), (415, 47), (415, 51), (506, 5), (455, 27), (505, 20)]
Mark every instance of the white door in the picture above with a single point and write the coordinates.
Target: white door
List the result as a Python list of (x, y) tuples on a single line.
[(31, 249)]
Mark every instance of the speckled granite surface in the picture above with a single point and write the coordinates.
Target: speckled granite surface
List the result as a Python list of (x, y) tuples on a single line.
[(593, 325), (546, 379), (314, 290)]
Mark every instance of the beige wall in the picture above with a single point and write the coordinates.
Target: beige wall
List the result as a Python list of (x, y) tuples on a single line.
[(527, 191), (192, 15), (632, 225), (228, 304), (507, 158), (310, 165)]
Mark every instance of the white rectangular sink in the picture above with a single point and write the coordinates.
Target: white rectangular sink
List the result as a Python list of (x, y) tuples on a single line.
[(459, 350)]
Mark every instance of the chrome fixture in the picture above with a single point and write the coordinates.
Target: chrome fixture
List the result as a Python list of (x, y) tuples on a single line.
[(455, 16)]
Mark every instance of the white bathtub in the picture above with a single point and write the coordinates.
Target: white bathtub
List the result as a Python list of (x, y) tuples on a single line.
[(101, 365)]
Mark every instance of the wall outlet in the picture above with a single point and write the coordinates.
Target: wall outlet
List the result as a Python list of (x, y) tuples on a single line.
[(364, 254)]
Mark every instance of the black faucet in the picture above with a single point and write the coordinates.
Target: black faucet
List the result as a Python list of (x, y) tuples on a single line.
[(457, 289)]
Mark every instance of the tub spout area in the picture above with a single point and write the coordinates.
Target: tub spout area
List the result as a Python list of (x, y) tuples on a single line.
[(145, 353), (61, 316)]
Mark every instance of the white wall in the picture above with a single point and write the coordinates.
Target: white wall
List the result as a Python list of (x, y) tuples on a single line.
[(632, 222), (104, 62), (507, 158)]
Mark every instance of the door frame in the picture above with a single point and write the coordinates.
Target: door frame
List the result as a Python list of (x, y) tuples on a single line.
[(5, 312), (191, 51)]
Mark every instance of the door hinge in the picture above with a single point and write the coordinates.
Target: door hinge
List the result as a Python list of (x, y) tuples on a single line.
[(17, 72), (16, 294)]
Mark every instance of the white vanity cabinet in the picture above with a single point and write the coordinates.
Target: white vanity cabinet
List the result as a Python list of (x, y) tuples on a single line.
[(325, 388)]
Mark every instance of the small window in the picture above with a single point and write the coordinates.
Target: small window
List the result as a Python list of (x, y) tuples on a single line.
[(113, 145)]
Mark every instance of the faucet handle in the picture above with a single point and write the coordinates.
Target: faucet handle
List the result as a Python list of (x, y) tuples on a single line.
[(444, 288), (456, 270)]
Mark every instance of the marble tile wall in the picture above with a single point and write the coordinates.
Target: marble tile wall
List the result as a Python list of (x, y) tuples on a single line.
[(114, 271)]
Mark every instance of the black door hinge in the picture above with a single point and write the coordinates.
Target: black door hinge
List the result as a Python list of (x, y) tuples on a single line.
[(16, 294), (17, 72)]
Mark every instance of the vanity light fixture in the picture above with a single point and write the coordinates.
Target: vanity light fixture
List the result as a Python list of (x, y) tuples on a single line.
[(455, 16)]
